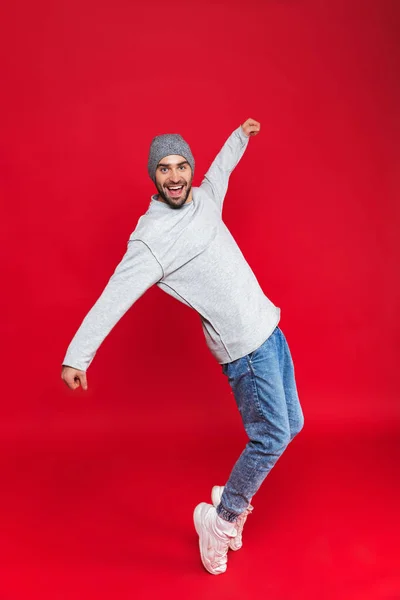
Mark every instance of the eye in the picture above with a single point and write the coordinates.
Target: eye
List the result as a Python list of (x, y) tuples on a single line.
[(183, 167), (163, 169)]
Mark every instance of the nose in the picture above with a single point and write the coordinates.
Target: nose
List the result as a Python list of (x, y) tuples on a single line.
[(175, 175)]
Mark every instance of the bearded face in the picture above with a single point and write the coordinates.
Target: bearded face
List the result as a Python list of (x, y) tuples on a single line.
[(174, 180)]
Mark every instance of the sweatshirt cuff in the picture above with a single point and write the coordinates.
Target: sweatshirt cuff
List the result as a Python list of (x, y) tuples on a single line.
[(242, 135), (74, 365)]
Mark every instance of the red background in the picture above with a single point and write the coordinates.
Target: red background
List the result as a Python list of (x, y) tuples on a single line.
[(100, 486)]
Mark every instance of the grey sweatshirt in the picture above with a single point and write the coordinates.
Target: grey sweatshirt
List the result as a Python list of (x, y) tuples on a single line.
[(190, 254)]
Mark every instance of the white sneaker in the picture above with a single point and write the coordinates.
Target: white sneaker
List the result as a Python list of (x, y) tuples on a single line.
[(236, 542), (214, 536)]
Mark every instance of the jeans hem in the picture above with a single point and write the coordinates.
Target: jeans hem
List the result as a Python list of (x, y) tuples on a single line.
[(227, 515)]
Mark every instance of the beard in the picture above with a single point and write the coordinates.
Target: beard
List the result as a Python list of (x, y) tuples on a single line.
[(175, 202)]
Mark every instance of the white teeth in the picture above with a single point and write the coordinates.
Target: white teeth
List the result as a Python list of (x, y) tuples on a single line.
[(176, 188)]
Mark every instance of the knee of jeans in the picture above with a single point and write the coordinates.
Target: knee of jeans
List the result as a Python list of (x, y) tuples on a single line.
[(276, 440), (283, 439), (269, 437), (296, 427)]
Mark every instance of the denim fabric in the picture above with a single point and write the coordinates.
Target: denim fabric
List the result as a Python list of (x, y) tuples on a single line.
[(264, 387)]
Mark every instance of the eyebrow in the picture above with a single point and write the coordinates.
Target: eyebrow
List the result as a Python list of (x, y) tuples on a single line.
[(184, 162)]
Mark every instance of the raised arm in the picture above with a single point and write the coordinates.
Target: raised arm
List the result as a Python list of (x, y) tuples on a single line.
[(215, 182), (136, 273)]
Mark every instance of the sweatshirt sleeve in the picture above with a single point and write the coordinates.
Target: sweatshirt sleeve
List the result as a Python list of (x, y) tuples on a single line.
[(215, 182), (136, 273)]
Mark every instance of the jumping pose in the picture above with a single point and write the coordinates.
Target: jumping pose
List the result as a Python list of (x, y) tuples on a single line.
[(182, 245)]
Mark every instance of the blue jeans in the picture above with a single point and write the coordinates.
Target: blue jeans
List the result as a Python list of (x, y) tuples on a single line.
[(264, 387)]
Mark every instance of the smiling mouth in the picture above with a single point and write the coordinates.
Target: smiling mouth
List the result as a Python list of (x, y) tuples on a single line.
[(175, 191)]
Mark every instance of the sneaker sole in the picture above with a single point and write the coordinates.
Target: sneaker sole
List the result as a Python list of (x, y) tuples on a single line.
[(197, 518), (216, 494)]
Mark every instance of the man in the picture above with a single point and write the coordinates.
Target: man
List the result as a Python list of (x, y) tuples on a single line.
[(182, 244)]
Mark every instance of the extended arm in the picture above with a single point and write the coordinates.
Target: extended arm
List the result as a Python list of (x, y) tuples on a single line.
[(215, 182), (137, 272)]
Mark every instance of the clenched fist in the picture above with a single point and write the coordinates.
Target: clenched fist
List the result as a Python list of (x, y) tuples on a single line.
[(74, 378), (251, 127)]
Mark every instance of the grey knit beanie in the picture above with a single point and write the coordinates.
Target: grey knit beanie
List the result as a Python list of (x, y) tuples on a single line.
[(164, 145)]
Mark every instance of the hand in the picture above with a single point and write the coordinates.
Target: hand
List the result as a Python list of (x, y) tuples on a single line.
[(74, 378), (251, 127)]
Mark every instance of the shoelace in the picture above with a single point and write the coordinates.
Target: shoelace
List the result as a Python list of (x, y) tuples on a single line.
[(237, 541), (221, 555), (245, 514)]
